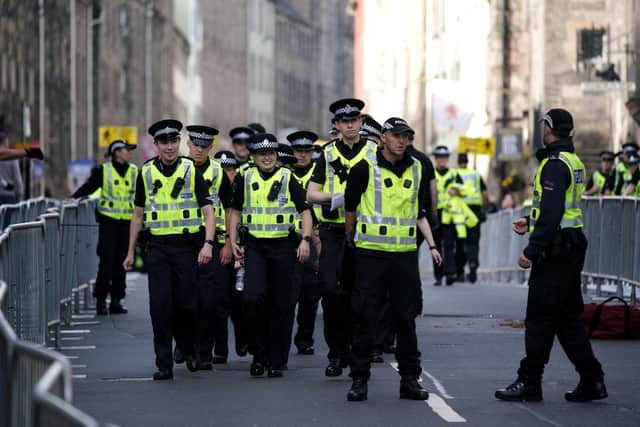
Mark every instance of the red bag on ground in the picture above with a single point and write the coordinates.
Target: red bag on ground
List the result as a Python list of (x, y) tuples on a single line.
[(616, 321)]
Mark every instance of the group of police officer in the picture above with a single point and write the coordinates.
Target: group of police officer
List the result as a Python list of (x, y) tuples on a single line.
[(251, 233), (621, 179)]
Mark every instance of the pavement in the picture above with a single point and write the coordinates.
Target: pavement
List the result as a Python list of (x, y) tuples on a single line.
[(469, 347)]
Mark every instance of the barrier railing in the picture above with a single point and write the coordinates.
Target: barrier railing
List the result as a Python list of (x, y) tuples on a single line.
[(612, 227), (25, 211), (35, 383)]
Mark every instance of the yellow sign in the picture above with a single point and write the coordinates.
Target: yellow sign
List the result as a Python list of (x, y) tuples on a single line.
[(477, 145), (108, 134)]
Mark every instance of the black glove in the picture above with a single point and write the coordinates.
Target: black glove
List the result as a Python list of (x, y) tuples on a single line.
[(34, 153)]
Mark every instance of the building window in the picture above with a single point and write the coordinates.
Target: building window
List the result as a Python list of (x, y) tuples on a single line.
[(591, 44)]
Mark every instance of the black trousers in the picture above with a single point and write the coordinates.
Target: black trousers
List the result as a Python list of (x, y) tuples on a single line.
[(267, 297), (449, 241), (306, 293), (385, 333), (337, 273), (205, 320), (554, 306), (467, 250), (113, 244), (227, 304), (173, 297), (438, 270), (379, 274)]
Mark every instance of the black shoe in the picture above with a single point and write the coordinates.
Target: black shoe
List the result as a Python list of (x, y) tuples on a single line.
[(219, 360), (257, 369), (284, 367), (451, 279), (377, 358), (473, 277), (306, 350), (192, 363), (438, 282), (333, 369), (411, 389), (358, 391), (586, 391), (163, 374), (520, 391), (241, 349), (274, 373), (389, 349), (205, 365), (178, 357), (117, 308), (101, 307)]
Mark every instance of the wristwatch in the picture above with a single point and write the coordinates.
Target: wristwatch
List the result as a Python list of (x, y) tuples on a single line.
[(211, 242), (306, 238)]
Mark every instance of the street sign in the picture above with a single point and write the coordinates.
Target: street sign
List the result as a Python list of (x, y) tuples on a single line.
[(477, 145), (108, 134), (509, 144)]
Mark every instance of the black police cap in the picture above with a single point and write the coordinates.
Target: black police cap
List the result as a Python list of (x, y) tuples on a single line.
[(285, 154), (302, 140), (441, 151), (346, 108), (630, 147), (241, 134), (370, 127), (607, 155), (201, 135), (257, 127), (226, 158), (166, 128), (261, 142), (559, 120), (118, 144), (396, 125)]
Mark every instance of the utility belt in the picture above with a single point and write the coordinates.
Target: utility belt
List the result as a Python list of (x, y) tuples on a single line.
[(567, 241), (175, 240), (336, 228)]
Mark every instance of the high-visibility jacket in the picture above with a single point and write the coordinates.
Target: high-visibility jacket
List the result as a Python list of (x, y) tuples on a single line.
[(266, 218), (442, 184), (242, 169), (599, 179), (304, 182), (117, 192), (472, 182), (388, 211), (164, 214), (335, 184), (456, 212), (572, 216), (622, 177), (213, 176)]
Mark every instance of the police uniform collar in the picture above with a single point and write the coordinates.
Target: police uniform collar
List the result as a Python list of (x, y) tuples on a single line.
[(554, 148), (341, 144), (121, 168), (266, 175), (405, 161), (203, 167), (300, 171)]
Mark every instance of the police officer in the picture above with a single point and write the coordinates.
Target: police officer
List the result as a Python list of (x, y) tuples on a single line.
[(383, 203), (116, 183), (477, 200), (445, 235), (622, 176), (599, 178), (307, 283), (268, 198), (220, 193), (371, 129), (326, 188), (633, 185), (239, 139), (556, 253), (172, 199)]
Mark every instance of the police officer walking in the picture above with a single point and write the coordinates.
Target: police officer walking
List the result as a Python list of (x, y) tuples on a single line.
[(116, 181), (269, 200), (556, 254), (172, 199), (240, 137), (220, 194), (383, 204), (326, 188)]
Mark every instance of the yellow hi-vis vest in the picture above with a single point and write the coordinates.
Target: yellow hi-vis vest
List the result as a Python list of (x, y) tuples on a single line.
[(117, 193), (163, 214), (622, 174), (388, 211), (471, 181), (600, 180), (457, 212), (304, 182), (213, 176), (264, 218), (332, 183), (572, 216), (442, 184)]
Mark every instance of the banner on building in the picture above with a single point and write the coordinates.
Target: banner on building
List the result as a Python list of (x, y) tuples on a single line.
[(485, 146), (509, 144), (108, 134)]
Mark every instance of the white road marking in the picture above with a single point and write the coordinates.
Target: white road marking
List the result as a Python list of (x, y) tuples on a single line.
[(129, 379), (78, 366), (91, 322), (72, 338), (537, 415), (79, 347), (75, 331), (79, 376), (437, 403), (71, 357), (83, 316)]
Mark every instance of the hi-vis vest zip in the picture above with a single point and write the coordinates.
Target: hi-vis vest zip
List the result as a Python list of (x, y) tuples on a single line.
[(163, 214), (213, 176), (572, 217), (264, 218), (332, 183), (117, 193), (471, 181), (388, 210), (442, 184)]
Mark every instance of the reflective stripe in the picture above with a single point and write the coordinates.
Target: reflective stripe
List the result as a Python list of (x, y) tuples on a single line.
[(378, 220), (408, 222), (407, 240), (188, 204), (187, 179), (377, 191), (254, 227), (378, 239), (574, 222), (116, 210), (278, 210), (252, 210), (109, 179), (187, 222), (329, 168), (284, 187), (416, 184), (247, 189), (158, 224), (574, 195), (278, 227)]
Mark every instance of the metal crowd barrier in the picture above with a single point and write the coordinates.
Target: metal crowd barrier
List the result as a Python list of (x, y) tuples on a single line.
[(612, 227), (25, 211), (35, 383)]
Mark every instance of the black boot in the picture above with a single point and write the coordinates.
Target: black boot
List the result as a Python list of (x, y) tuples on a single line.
[(178, 357), (241, 349), (520, 391), (117, 308), (274, 372), (451, 279), (376, 357), (219, 360), (163, 374), (101, 307), (473, 276), (306, 349), (411, 389), (334, 369), (358, 391), (192, 363), (586, 391), (257, 369)]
